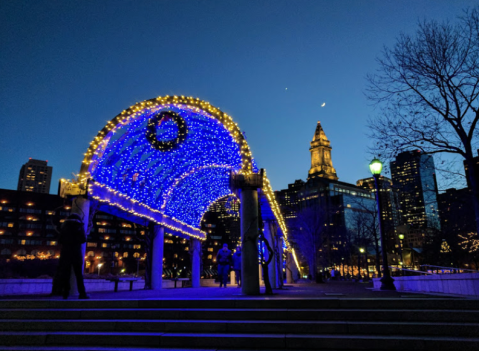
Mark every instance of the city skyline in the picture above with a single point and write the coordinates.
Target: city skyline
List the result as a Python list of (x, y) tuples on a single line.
[(277, 70)]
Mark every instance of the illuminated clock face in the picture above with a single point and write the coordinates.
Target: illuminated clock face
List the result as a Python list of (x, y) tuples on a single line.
[(166, 130)]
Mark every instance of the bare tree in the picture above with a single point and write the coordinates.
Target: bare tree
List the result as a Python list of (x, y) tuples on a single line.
[(365, 231), (427, 86), (309, 234)]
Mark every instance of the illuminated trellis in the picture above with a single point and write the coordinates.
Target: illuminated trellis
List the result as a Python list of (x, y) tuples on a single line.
[(167, 159)]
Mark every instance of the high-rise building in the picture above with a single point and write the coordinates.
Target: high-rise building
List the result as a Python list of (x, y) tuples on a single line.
[(35, 176), (289, 200), (413, 175), (389, 212), (457, 212), (389, 200)]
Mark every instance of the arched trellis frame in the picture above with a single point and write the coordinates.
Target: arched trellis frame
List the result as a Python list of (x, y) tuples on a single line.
[(125, 169)]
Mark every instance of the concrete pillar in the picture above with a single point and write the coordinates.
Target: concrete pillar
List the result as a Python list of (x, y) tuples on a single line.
[(289, 268), (195, 263), (80, 206), (269, 236), (249, 239), (279, 259), (157, 257)]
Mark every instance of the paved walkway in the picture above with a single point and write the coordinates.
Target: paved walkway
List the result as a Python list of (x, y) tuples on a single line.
[(336, 289)]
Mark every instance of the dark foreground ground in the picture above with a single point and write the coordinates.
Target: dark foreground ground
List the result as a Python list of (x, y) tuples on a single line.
[(332, 289)]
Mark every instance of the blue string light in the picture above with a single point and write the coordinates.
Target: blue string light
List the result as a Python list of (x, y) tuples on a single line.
[(181, 181)]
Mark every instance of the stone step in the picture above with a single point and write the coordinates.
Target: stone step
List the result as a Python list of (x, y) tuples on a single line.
[(328, 303), (100, 348), (246, 327), (239, 341), (402, 315), (104, 348)]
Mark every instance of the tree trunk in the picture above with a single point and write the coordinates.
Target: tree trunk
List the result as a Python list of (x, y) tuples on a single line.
[(472, 180)]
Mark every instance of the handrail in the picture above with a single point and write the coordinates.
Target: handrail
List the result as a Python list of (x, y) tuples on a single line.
[(449, 268), (410, 270)]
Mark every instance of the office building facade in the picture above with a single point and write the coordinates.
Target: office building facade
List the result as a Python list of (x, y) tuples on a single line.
[(35, 176), (413, 176)]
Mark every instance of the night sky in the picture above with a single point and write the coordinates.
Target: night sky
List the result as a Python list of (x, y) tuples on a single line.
[(68, 67)]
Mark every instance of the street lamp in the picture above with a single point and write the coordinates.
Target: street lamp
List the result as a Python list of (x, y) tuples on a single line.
[(99, 266), (361, 251), (401, 238), (387, 283)]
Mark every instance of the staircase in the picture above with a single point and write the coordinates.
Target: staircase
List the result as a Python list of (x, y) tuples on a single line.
[(241, 324)]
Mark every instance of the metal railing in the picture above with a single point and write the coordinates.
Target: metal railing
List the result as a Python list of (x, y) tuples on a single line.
[(400, 271), (446, 270)]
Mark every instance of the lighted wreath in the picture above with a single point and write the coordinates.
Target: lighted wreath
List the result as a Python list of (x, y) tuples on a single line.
[(164, 117)]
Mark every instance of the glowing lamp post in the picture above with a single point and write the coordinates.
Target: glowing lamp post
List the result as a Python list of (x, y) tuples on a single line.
[(387, 283), (401, 238), (361, 250), (99, 266)]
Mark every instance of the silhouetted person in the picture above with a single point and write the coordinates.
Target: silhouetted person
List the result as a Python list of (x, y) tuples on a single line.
[(237, 265), (223, 258), (72, 236)]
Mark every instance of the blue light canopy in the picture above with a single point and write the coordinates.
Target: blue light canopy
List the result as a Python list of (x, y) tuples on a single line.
[(167, 160)]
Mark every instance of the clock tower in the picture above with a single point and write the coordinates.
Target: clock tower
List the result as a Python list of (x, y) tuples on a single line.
[(321, 163)]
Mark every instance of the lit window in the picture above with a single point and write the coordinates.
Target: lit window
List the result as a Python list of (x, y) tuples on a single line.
[(136, 255), (125, 254)]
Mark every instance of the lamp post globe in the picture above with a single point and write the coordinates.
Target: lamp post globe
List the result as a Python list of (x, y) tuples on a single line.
[(387, 283), (376, 166)]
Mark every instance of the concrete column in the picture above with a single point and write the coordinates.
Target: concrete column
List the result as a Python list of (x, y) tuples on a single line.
[(80, 206), (249, 239), (195, 263), (269, 236), (157, 257), (279, 259), (289, 268)]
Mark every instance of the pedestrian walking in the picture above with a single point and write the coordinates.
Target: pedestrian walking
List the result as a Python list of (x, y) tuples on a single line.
[(223, 258), (237, 265), (72, 236)]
